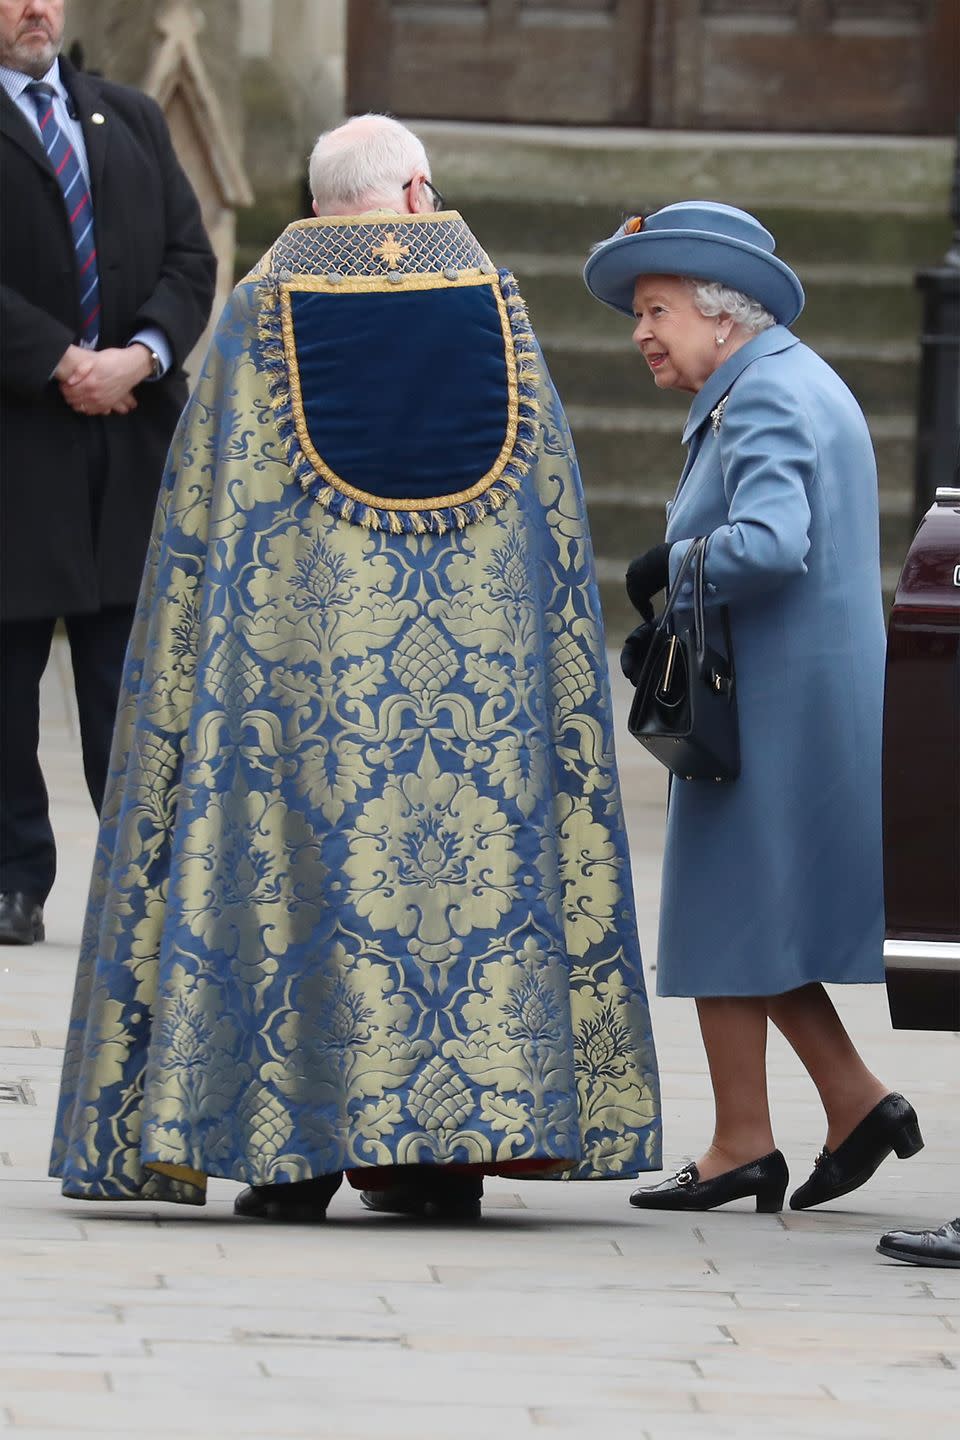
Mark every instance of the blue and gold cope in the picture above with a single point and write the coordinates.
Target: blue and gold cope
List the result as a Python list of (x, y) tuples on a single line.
[(361, 894)]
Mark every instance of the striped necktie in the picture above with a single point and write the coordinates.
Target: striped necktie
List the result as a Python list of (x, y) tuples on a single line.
[(68, 170)]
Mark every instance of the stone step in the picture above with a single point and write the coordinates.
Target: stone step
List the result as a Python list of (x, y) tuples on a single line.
[(872, 305), (627, 168), (875, 304), (609, 372), (511, 230), (508, 227), (642, 448)]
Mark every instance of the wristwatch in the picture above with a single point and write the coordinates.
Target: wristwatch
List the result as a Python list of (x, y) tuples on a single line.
[(156, 364)]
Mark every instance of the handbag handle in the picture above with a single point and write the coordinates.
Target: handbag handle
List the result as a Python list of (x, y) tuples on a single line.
[(699, 622), (694, 555)]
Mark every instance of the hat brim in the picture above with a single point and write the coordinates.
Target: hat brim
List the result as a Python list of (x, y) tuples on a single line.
[(612, 271)]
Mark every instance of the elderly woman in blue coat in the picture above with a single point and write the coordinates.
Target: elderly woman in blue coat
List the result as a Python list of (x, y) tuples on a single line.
[(772, 882)]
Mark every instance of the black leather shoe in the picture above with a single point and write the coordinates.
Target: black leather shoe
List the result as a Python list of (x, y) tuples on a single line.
[(21, 918), (765, 1178), (891, 1125), (429, 1197), (302, 1202), (924, 1247)]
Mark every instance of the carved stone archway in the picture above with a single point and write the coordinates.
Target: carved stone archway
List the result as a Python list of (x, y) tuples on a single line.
[(180, 83)]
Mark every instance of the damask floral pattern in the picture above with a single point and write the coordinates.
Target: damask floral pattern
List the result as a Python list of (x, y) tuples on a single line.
[(432, 857), (361, 894)]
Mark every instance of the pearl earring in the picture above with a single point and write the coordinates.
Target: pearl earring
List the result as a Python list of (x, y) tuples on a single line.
[(721, 340)]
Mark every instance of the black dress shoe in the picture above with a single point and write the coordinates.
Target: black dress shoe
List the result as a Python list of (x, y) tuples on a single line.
[(765, 1178), (429, 1197), (891, 1125), (21, 918), (924, 1247), (301, 1202)]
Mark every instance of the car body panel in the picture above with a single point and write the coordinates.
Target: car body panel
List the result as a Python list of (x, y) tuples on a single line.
[(921, 778)]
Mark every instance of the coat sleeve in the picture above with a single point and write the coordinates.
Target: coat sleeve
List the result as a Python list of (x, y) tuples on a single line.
[(32, 344), (183, 295), (768, 458)]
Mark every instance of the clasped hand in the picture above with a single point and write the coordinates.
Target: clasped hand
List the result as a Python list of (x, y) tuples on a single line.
[(646, 576), (101, 382)]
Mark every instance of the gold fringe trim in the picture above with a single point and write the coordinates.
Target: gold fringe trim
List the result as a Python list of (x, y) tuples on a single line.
[(522, 362), (514, 401)]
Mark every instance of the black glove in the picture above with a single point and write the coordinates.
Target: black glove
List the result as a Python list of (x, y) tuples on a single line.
[(635, 649), (647, 575)]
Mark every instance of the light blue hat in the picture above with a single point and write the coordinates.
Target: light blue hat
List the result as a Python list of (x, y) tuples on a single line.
[(702, 240)]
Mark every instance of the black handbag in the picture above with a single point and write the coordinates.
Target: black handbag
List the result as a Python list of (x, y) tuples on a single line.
[(685, 707)]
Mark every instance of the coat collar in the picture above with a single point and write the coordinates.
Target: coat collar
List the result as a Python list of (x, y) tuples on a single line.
[(14, 125), (768, 342), (88, 100)]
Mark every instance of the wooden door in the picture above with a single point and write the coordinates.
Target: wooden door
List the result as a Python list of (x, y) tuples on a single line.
[(568, 62), (868, 66), (848, 66)]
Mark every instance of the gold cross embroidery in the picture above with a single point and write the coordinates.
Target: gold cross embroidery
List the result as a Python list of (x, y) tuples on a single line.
[(390, 250)]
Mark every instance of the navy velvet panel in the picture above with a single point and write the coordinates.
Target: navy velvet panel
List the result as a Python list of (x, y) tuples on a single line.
[(405, 396)]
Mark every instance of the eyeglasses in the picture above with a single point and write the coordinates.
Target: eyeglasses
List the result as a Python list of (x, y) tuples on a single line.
[(436, 197)]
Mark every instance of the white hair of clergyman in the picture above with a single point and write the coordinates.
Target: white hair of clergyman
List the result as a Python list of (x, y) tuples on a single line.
[(365, 162), (711, 299)]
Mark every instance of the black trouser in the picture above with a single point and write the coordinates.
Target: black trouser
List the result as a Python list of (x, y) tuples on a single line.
[(28, 858)]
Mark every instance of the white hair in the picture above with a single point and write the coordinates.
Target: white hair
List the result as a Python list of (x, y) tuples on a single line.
[(711, 299), (364, 164)]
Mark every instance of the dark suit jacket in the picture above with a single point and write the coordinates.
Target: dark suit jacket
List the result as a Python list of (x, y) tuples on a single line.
[(156, 267)]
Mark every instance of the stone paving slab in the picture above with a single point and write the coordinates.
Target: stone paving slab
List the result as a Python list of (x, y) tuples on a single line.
[(563, 1314)]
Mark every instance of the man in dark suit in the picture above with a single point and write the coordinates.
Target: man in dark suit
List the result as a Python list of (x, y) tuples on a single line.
[(107, 283)]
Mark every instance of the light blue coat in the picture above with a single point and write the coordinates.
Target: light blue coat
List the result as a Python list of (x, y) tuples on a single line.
[(775, 880)]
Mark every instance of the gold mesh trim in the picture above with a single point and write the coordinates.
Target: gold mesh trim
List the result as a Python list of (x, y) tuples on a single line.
[(344, 244)]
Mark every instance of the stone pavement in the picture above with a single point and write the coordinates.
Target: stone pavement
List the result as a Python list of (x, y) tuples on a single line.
[(565, 1314)]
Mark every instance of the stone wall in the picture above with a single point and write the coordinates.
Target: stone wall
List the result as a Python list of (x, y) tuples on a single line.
[(279, 70), (294, 67), (119, 38)]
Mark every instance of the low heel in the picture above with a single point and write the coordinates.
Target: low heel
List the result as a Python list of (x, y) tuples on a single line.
[(770, 1202), (908, 1140)]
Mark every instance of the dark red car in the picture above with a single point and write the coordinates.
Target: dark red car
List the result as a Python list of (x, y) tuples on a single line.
[(921, 778)]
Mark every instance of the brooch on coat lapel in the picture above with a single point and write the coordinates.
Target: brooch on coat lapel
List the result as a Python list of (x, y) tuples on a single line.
[(716, 414)]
